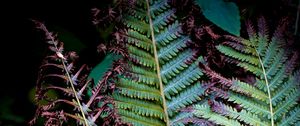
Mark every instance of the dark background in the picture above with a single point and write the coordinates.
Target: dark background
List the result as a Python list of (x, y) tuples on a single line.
[(22, 47)]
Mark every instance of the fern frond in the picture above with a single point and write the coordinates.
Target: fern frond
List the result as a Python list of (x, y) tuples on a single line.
[(182, 81), (134, 89), (173, 49), (274, 95), (74, 87), (248, 90), (177, 120), (243, 115), (292, 118), (163, 19), (204, 111), (285, 105), (162, 73), (139, 40), (187, 97), (256, 107), (139, 120), (240, 56), (135, 24), (140, 107), (263, 36), (57, 49)]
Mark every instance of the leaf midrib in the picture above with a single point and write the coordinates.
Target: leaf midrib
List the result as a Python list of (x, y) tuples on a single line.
[(157, 66), (268, 88)]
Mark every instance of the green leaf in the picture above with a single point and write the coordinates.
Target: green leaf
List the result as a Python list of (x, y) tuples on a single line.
[(226, 15), (6, 113), (50, 94), (100, 69), (106, 32)]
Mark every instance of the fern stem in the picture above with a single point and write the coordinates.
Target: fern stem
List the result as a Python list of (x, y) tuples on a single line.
[(71, 83), (268, 88), (157, 65), (75, 93)]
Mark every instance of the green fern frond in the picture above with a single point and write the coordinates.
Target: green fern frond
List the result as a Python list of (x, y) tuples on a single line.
[(204, 111), (254, 106), (182, 81), (177, 120), (273, 97), (284, 90), (243, 115), (173, 49), (136, 24), (137, 90), (249, 90), (138, 120), (292, 118), (140, 107), (139, 40), (162, 73), (187, 97)]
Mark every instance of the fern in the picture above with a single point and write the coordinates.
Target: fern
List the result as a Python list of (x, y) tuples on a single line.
[(58, 73), (162, 72), (156, 82), (272, 99)]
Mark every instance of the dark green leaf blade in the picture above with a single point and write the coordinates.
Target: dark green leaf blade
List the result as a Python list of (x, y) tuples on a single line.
[(99, 70), (226, 15)]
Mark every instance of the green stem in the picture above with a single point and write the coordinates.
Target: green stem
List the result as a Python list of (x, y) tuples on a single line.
[(157, 66), (268, 88)]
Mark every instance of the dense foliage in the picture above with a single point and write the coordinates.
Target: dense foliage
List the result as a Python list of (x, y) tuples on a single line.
[(173, 62)]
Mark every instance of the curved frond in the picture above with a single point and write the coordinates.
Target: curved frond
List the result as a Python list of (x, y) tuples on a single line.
[(275, 93)]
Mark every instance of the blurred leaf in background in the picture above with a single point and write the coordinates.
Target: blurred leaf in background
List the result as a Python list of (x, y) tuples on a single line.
[(106, 32), (99, 70), (50, 94), (71, 42), (226, 15), (6, 114)]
